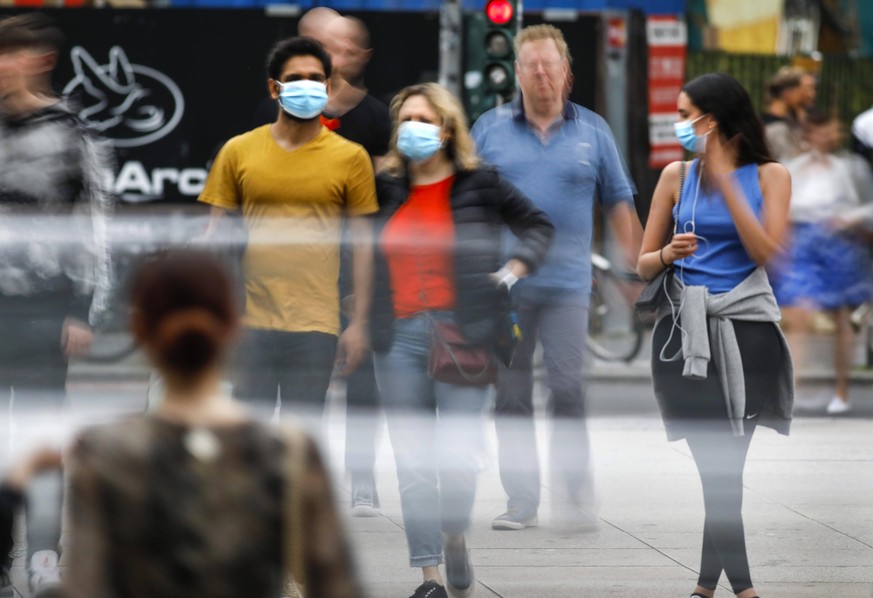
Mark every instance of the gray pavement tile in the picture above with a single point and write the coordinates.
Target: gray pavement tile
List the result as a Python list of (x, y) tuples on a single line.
[(811, 590), (764, 517), (589, 588), (812, 483), (794, 574), (670, 540), (641, 519), (818, 556), (681, 490), (855, 522), (380, 566), (371, 524), (811, 566), (546, 537), (766, 542), (367, 541), (569, 557), (819, 543), (560, 582)]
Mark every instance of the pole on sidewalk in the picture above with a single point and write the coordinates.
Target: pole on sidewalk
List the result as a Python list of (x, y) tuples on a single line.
[(450, 46)]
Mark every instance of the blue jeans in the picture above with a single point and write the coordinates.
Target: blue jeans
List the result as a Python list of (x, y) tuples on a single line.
[(562, 329), (436, 432)]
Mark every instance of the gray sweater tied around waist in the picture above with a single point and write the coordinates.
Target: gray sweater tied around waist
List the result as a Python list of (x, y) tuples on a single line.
[(708, 333)]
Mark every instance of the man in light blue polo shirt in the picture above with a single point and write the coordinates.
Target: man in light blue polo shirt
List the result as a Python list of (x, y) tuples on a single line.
[(562, 156)]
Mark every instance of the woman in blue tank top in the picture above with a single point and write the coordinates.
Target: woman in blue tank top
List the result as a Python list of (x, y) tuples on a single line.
[(720, 364)]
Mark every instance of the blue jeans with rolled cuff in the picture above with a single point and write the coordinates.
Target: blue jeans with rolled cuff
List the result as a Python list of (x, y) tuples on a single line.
[(436, 431)]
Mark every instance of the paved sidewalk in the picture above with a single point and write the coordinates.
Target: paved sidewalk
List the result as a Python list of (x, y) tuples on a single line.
[(808, 514), (808, 510)]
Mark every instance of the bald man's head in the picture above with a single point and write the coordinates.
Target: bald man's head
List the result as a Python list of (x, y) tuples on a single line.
[(314, 23), (348, 42)]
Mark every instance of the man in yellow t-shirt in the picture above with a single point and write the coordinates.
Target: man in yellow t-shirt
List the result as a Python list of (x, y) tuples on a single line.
[(295, 182)]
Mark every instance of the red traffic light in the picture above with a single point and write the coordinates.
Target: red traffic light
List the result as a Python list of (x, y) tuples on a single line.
[(499, 11)]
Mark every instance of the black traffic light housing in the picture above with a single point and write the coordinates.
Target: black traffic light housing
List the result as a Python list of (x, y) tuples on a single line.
[(489, 56)]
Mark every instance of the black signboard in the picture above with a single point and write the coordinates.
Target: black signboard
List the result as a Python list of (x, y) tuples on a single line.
[(169, 87)]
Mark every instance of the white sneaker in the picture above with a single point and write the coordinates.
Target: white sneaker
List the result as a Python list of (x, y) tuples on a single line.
[(838, 406), (44, 572)]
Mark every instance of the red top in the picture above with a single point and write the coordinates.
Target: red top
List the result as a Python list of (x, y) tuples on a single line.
[(418, 242)]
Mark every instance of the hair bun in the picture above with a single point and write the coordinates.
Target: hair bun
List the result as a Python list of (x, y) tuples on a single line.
[(183, 310), (188, 340)]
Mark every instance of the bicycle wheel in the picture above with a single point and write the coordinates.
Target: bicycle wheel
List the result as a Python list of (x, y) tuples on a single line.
[(614, 332)]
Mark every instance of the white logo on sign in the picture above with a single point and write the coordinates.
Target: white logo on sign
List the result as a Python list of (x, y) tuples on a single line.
[(131, 104)]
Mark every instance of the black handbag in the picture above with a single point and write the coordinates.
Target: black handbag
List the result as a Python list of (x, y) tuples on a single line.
[(656, 292)]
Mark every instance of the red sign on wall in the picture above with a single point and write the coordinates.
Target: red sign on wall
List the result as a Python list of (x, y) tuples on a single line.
[(668, 40), (616, 33)]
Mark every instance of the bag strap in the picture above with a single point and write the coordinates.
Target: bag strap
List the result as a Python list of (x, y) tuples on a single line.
[(679, 197)]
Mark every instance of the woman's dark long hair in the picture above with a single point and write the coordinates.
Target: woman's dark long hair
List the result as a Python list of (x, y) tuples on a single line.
[(727, 101)]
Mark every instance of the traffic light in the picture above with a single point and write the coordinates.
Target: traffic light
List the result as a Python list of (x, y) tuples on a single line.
[(489, 55)]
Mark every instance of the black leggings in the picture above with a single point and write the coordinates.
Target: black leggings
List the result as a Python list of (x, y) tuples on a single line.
[(697, 408), (720, 458)]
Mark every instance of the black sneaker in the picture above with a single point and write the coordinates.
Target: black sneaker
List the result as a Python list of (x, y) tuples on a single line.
[(459, 571), (516, 518), (430, 589)]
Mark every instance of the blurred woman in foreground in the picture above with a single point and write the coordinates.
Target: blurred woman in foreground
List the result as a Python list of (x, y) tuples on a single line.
[(193, 499)]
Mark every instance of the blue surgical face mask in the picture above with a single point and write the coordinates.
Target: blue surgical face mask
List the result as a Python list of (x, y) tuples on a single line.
[(687, 137), (418, 141), (303, 99)]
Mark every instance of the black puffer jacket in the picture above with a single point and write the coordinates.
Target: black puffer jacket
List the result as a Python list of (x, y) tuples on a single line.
[(482, 204)]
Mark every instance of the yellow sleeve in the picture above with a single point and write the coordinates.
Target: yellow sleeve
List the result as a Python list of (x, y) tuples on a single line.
[(361, 186), (222, 185)]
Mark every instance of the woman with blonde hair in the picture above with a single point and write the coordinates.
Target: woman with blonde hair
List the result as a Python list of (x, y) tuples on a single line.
[(439, 272)]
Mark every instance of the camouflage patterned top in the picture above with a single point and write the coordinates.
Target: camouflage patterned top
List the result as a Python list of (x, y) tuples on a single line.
[(151, 514)]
